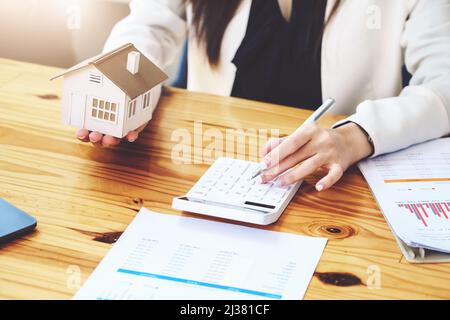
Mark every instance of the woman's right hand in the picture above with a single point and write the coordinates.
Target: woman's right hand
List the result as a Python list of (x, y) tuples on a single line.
[(101, 140)]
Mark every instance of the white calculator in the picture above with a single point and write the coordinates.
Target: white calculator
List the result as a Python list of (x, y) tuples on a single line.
[(227, 190)]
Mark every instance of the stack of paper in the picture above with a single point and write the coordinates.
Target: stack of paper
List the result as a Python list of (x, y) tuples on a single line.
[(163, 256), (412, 187)]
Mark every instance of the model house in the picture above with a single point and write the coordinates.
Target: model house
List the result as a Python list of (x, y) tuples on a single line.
[(110, 93)]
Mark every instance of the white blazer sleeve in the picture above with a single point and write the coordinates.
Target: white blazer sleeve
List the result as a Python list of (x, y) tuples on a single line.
[(422, 110), (156, 27)]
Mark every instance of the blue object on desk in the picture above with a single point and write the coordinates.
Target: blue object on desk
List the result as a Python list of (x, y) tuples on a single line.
[(14, 222)]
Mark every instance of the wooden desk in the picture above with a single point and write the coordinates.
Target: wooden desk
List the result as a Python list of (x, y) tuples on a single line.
[(84, 197)]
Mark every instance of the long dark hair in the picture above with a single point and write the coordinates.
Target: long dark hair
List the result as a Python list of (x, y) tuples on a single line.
[(211, 18)]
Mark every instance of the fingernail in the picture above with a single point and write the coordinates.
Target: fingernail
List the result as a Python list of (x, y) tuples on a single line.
[(263, 166), (319, 187), (82, 137), (132, 137), (259, 180)]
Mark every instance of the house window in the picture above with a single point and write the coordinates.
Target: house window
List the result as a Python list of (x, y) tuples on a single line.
[(95, 78), (132, 108), (104, 110), (146, 103)]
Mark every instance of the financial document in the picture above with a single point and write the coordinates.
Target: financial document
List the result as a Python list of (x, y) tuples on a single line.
[(412, 187), (162, 256)]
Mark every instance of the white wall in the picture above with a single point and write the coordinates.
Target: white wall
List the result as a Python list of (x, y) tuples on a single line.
[(142, 115), (57, 32)]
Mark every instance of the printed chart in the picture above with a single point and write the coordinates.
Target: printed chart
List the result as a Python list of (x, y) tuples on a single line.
[(427, 210)]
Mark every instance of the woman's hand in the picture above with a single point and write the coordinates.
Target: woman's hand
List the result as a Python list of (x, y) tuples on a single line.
[(311, 148), (99, 139)]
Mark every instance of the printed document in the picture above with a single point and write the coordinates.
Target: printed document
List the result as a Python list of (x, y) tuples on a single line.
[(412, 187), (162, 256)]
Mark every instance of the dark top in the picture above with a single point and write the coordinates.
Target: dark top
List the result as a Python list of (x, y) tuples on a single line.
[(279, 61)]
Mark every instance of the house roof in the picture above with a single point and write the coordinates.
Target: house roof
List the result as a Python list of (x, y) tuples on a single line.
[(114, 66)]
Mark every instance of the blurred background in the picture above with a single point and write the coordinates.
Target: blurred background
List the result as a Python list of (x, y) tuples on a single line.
[(58, 32)]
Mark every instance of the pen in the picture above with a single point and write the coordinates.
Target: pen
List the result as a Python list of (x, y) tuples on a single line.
[(326, 106)]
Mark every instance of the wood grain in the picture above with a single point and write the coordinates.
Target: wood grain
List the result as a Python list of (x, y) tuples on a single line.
[(84, 197)]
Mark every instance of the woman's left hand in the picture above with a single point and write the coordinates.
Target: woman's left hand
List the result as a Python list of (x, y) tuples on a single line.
[(311, 148), (100, 140)]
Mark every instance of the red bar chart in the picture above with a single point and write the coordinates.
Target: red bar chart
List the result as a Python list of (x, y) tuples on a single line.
[(425, 210)]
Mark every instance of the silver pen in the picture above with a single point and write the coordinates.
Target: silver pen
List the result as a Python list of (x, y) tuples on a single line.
[(316, 115)]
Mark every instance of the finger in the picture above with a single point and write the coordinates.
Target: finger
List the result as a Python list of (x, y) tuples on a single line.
[(95, 137), (291, 144), (110, 141), (291, 161), (83, 134), (272, 143), (333, 176), (133, 135), (306, 168)]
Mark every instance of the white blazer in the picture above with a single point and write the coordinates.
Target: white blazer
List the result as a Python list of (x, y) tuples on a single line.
[(364, 48)]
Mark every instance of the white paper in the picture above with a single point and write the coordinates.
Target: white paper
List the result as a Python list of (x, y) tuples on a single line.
[(412, 187), (163, 256)]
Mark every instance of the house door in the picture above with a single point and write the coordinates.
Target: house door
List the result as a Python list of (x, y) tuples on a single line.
[(77, 109)]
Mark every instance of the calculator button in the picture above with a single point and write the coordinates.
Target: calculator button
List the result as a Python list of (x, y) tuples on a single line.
[(254, 198), (197, 194)]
